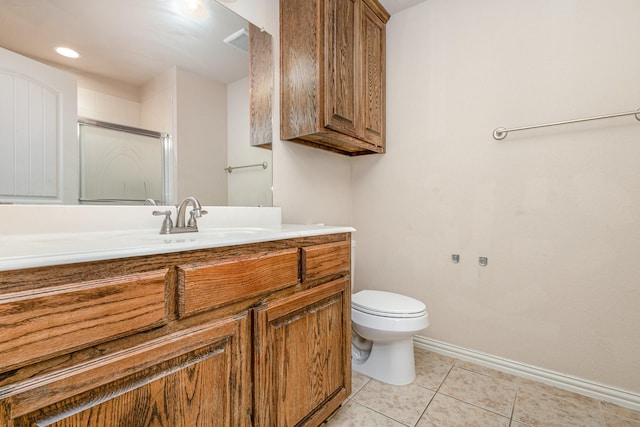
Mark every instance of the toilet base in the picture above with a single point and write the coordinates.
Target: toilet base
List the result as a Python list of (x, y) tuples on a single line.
[(389, 362)]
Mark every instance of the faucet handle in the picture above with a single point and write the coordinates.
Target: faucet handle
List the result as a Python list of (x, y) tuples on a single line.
[(195, 213), (167, 224)]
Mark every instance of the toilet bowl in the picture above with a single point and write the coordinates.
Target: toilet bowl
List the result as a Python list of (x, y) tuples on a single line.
[(383, 325)]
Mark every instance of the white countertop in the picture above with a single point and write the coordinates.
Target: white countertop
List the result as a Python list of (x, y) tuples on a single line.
[(19, 251)]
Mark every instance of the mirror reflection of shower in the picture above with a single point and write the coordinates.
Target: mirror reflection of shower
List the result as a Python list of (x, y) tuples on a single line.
[(122, 165), (184, 81)]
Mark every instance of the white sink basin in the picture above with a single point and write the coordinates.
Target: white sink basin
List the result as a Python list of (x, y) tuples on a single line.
[(35, 250), (208, 234)]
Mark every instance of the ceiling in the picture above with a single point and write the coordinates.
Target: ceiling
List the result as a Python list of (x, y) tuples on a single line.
[(127, 40), (132, 41), (394, 6)]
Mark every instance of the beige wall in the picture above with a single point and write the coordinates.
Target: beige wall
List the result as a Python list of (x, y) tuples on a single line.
[(157, 106), (201, 143), (311, 186), (108, 100), (249, 186), (556, 211), (97, 105)]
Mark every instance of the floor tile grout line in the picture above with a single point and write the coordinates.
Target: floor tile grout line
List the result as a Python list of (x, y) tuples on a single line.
[(425, 388), (447, 375), (520, 389), (604, 412), (384, 415), (424, 411), (350, 397), (513, 407), (603, 420), (515, 378), (509, 417), (475, 406), (633, 420), (567, 399), (435, 392)]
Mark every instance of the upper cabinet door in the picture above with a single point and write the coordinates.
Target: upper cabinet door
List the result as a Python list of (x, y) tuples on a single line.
[(332, 71), (342, 79), (260, 88), (38, 132), (374, 75)]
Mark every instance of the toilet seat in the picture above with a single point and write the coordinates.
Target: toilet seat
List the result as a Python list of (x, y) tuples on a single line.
[(387, 304)]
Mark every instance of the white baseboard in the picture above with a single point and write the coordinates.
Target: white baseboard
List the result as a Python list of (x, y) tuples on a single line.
[(566, 382)]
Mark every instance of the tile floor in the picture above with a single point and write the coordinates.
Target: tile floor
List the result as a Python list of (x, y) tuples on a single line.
[(451, 392)]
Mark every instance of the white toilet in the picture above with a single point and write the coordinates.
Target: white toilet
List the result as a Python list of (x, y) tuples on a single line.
[(383, 325)]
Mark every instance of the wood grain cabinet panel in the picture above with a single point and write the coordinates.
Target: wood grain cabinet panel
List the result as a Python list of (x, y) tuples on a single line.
[(260, 88), (49, 321), (208, 285), (302, 356), (342, 110), (333, 73), (374, 74), (323, 260), (195, 377), (227, 336)]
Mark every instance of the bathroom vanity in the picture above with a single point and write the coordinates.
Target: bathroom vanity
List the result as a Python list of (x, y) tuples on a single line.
[(207, 332)]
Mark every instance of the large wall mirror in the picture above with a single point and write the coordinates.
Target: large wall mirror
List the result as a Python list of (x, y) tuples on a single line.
[(175, 67)]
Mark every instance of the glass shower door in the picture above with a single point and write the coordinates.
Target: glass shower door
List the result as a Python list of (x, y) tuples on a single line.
[(120, 165)]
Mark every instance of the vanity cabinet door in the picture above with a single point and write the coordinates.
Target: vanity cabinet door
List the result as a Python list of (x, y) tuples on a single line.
[(302, 358), (199, 376)]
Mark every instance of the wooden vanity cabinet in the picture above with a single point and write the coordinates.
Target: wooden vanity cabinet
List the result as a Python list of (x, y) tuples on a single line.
[(332, 68), (301, 345), (194, 377), (250, 335)]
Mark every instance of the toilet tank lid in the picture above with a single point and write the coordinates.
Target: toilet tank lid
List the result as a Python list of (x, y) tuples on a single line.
[(387, 302)]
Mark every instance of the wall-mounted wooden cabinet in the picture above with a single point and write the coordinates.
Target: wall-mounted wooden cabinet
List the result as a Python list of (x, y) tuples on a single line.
[(251, 335), (332, 74), (260, 87)]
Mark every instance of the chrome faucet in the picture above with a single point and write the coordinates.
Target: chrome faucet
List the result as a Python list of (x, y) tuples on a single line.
[(196, 212), (181, 227)]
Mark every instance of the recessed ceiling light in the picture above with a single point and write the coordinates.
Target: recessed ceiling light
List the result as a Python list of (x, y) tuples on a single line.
[(194, 9), (69, 53)]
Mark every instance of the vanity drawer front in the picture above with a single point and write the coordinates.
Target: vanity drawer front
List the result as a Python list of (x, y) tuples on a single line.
[(204, 286), (50, 321), (323, 260)]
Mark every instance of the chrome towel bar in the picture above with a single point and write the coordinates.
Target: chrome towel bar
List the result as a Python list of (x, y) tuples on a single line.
[(501, 133), (231, 168)]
